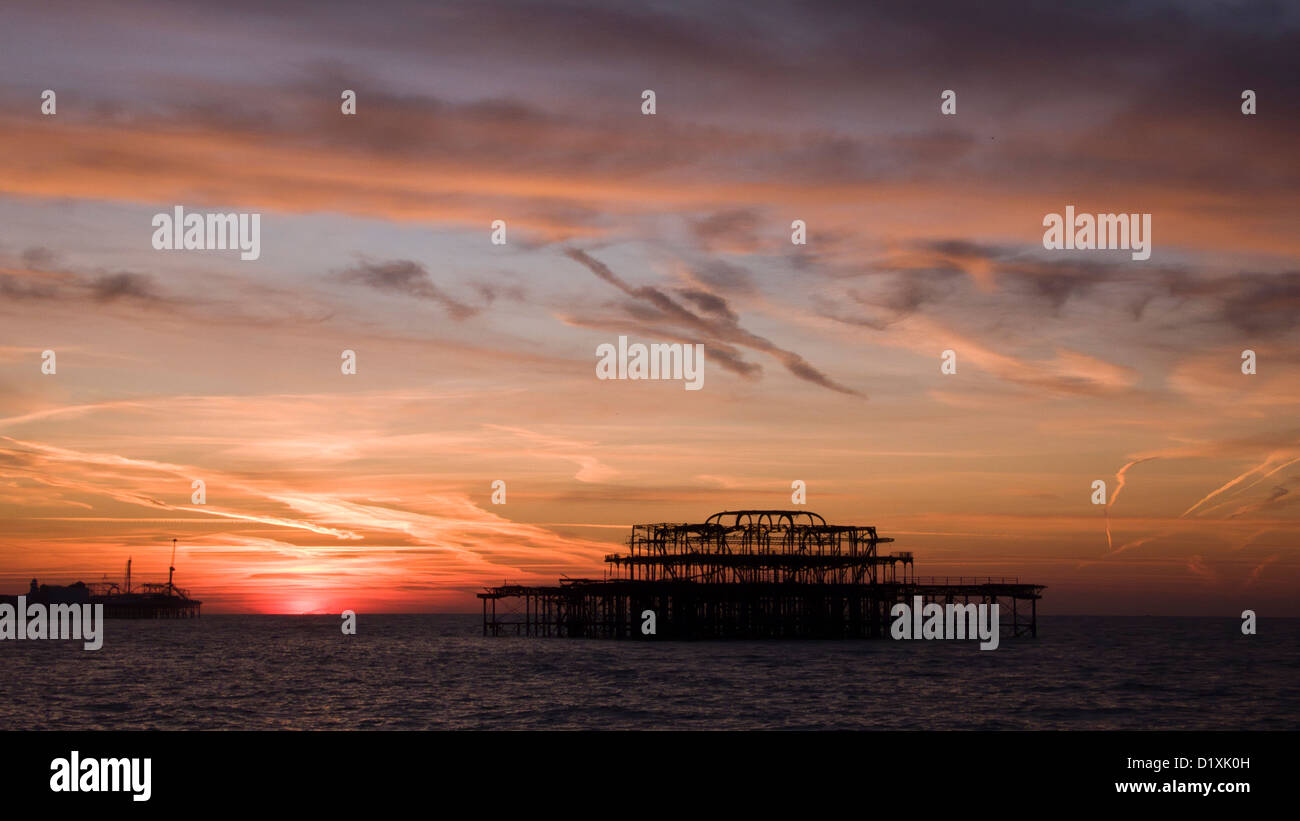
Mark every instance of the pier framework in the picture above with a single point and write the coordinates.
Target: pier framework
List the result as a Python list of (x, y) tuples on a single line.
[(144, 601), (748, 574)]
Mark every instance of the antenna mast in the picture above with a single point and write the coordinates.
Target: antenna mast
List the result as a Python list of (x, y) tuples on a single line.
[(171, 569)]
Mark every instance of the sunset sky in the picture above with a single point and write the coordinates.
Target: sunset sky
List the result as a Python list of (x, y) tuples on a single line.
[(477, 362)]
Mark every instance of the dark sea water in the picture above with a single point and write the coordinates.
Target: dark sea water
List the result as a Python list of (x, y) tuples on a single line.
[(439, 672)]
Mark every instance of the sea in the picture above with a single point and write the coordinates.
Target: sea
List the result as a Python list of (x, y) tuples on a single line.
[(416, 672)]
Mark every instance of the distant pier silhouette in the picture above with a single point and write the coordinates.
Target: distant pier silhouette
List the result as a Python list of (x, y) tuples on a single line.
[(143, 601)]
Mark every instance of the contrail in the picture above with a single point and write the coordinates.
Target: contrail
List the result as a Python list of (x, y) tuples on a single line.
[(1119, 476), (1119, 485), (1137, 542), (1274, 470), (1233, 482), (1254, 574), (1282, 466)]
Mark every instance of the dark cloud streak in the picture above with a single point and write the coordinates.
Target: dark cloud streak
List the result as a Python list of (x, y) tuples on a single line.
[(723, 327), (408, 278)]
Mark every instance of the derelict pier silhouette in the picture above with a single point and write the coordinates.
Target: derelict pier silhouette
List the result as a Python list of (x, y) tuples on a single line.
[(748, 574)]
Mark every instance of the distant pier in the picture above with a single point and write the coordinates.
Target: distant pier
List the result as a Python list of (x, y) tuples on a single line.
[(748, 574), (145, 601), (124, 601)]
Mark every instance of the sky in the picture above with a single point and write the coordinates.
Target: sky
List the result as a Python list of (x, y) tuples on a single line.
[(476, 362)]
